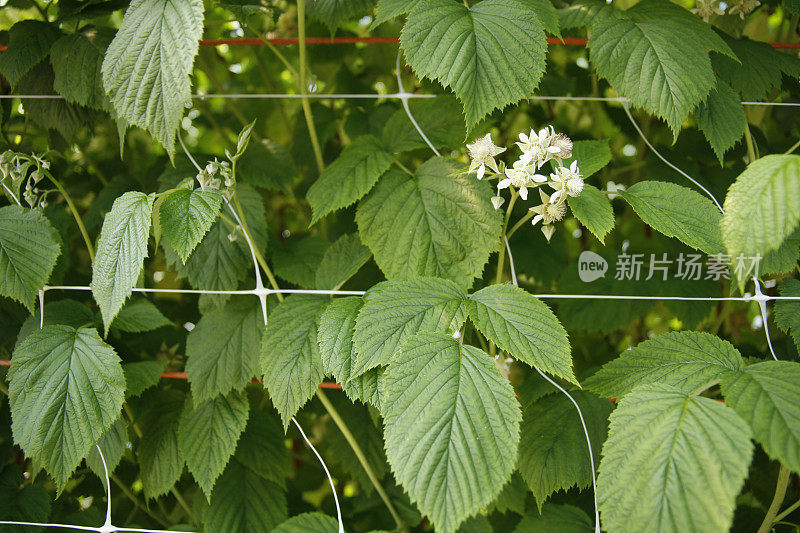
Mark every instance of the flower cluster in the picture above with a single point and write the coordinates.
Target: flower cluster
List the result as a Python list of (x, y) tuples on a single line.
[(28, 169), (705, 9), (217, 175), (538, 149)]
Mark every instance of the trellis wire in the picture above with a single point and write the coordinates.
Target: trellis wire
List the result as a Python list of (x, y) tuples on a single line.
[(262, 292)]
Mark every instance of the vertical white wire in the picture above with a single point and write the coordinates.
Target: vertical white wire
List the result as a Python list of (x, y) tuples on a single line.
[(11, 193), (403, 96)]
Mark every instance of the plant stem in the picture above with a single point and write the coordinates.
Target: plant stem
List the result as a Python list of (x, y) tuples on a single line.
[(502, 256), (256, 251), (789, 510), (312, 131), (136, 501), (777, 500), (751, 152), (361, 457), (403, 167), (794, 147), (75, 214), (183, 503), (519, 223)]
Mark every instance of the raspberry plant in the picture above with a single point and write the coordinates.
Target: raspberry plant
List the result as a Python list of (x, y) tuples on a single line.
[(201, 243)]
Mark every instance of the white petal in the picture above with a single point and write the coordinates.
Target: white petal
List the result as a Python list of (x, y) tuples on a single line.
[(523, 192), (504, 183), (553, 149), (538, 178), (536, 219), (556, 196), (523, 138), (481, 171)]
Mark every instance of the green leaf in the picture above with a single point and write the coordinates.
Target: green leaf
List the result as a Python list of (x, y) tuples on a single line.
[(160, 461), (721, 118), (440, 118), (309, 523), (141, 376), (767, 396), (22, 502), (665, 467), (52, 114), (29, 247), (243, 501), (656, 54), (435, 224), (685, 360), (590, 155), (140, 315), (593, 209), (67, 312), (336, 325), (186, 216), (77, 60), (262, 448), (760, 68), (208, 433), (121, 250), (389, 9), (223, 349), (787, 312), (268, 165), (335, 12), (512, 497), (350, 177), (762, 208), (553, 454), (290, 358), (147, 65), (402, 309), (585, 13), (561, 518), (29, 42), (341, 262), (523, 326), (113, 444), (66, 388), (297, 261), (679, 212), (451, 424), (471, 49)]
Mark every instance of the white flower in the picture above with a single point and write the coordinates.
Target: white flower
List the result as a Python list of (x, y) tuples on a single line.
[(549, 211), (560, 146), (520, 177), (566, 181), (743, 7), (706, 8), (497, 201), (536, 147), (612, 189), (482, 153)]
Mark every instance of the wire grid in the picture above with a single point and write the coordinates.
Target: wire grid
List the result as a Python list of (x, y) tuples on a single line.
[(262, 292)]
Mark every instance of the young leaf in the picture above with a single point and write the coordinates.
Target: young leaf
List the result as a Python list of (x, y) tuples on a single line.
[(760, 68), (434, 224), (160, 461), (334, 12), (721, 118), (593, 209), (451, 423), (308, 523), (677, 474), (186, 216), (207, 436), (147, 65), (677, 211), (440, 118), (142, 375), (767, 396), (591, 156), (29, 247), (121, 250), (400, 310), (29, 42), (553, 454), (685, 360), (523, 326), (656, 54), (551, 517), (469, 49), (77, 60), (223, 349), (140, 315), (341, 262), (350, 177), (787, 312), (762, 207), (66, 388), (290, 358)]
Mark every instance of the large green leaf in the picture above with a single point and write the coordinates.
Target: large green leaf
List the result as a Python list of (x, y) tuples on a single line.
[(223, 349), (350, 177), (451, 427), (147, 65), (677, 211), (29, 247), (522, 325), (560, 518), (54, 114), (787, 312), (672, 463), (341, 262), (22, 502), (142, 375), (553, 454), (262, 447), (593, 209), (66, 388), (389, 9), (400, 310), (77, 60), (721, 118), (762, 208), (760, 68), (29, 42), (685, 360), (208, 433), (434, 224), (591, 156), (121, 250), (585, 13), (309, 523), (334, 12), (113, 444), (767, 396), (440, 118), (160, 460), (290, 358), (298, 260), (471, 49), (656, 54), (139, 315), (186, 216)]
